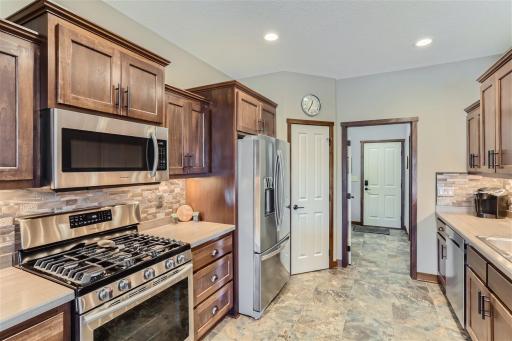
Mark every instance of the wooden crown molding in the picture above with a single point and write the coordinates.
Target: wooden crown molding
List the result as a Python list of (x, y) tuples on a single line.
[(236, 84), (472, 106), (379, 122), (181, 92), (19, 31), (494, 67), (40, 7), (309, 122)]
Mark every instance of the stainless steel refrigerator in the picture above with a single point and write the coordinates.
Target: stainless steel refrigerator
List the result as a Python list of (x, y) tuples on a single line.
[(263, 221)]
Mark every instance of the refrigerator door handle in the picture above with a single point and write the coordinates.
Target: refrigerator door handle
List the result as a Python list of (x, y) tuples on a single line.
[(275, 252), (277, 189)]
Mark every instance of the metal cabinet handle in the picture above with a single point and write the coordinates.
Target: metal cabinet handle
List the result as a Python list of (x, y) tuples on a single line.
[(215, 252), (479, 302), (495, 158), (215, 310), (214, 278), (117, 95), (127, 92), (471, 160), (483, 299), (489, 159), (296, 207)]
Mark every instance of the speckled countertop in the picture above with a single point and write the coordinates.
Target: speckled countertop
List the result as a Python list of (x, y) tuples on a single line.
[(23, 296), (195, 233), (470, 226)]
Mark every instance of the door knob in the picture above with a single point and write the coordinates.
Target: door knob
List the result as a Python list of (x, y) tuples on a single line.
[(296, 207)]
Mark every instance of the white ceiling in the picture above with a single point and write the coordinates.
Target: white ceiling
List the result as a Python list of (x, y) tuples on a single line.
[(337, 39)]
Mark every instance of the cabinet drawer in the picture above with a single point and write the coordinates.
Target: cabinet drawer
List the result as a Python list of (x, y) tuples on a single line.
[(501, 286), (51, 329), (478, 264), (212, 277), (207, 254), (208, 313)]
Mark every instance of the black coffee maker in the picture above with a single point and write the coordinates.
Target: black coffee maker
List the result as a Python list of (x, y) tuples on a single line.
[(491, 202)]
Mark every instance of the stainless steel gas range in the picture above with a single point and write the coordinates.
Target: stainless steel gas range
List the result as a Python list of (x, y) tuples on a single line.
[(128, 286)]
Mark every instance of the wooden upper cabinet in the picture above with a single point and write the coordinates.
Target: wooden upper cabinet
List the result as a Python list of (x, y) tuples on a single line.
[(473, 136), (198, 134), (142, 84), (488, 124), (88, 67), (175, 113), (478, 306), (503, 79), (248, 113), (18, 94), (88, 71), (188, 119), (268, 117)]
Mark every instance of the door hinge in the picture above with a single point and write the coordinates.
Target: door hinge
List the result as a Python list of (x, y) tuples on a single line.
[(348, 143), (348, 248)]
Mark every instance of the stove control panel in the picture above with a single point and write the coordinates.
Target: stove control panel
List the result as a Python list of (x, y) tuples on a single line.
[(84, 219)]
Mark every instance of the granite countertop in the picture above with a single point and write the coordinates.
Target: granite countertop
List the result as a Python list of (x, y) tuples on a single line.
[(195, 233), (24, 295), (470, 226)]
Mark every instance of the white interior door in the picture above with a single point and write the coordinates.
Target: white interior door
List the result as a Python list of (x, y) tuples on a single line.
[(310, 198), (382, 184)]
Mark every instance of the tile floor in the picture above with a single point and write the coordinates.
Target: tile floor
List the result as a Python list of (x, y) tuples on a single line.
[(374, 299)]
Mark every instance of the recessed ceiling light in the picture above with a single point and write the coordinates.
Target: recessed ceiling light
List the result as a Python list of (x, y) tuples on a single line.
[(271, 36), (424, 42)]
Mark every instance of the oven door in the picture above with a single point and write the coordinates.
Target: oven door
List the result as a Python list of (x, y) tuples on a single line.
[(90, 150), (159, 310)]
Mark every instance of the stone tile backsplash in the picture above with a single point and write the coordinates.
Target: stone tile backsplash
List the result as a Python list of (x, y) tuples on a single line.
[(456, 189), (156, 201)]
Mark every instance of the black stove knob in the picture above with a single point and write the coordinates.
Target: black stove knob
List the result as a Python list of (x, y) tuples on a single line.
[(105, 293), (180, 259), (169, 264), (124, 284), (149, 273)]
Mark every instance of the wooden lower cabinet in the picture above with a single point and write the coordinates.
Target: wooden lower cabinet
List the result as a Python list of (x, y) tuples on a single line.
[(477, 324), (53, 325), (501, 322), (213, 283), (488, 315)]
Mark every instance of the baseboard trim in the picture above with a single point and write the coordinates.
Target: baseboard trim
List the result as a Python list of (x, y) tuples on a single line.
[(356, 222), (424, 277)]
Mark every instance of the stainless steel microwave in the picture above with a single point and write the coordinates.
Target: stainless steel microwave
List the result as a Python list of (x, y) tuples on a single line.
[(81, 150)]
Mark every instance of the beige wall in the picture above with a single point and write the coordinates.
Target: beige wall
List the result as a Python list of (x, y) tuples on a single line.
[(185, 70), (437, 95)]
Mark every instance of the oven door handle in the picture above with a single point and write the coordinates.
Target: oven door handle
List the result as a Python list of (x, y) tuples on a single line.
[(156, 154), (126, 304)]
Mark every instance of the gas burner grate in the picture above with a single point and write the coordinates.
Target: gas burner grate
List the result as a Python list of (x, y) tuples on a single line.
[(92, 262)]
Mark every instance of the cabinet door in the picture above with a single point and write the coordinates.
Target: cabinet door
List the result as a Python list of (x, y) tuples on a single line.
[(268, 117), (197, 139), (16, 108), (441, 260), (504, 119), (477, 307), (88, 71), (248, 113), (143, 89), (487, 124), (473, 139), (501, 325), (175, 115)]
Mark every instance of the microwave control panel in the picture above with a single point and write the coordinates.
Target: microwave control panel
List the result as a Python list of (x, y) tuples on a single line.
[(84, 219), (162, 155)]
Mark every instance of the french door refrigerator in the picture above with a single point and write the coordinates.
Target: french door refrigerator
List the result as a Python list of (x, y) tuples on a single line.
[(263, 221)]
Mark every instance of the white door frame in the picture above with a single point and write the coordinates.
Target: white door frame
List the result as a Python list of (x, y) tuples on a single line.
[(332, 263), (402, 177)]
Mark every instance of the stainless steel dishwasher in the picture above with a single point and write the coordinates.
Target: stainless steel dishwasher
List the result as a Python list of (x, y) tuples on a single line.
[(455, 272)]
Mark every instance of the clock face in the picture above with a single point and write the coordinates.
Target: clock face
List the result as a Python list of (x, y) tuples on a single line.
[(311, 105)]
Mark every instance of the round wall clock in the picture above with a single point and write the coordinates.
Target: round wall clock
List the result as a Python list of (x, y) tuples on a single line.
[(311, 105)]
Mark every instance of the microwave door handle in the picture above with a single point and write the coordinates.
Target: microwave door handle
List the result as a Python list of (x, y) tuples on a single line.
[(156, 153), (139, 298)]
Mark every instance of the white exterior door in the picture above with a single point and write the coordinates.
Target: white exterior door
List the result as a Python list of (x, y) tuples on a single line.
[(310, 198), (382, 187)]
